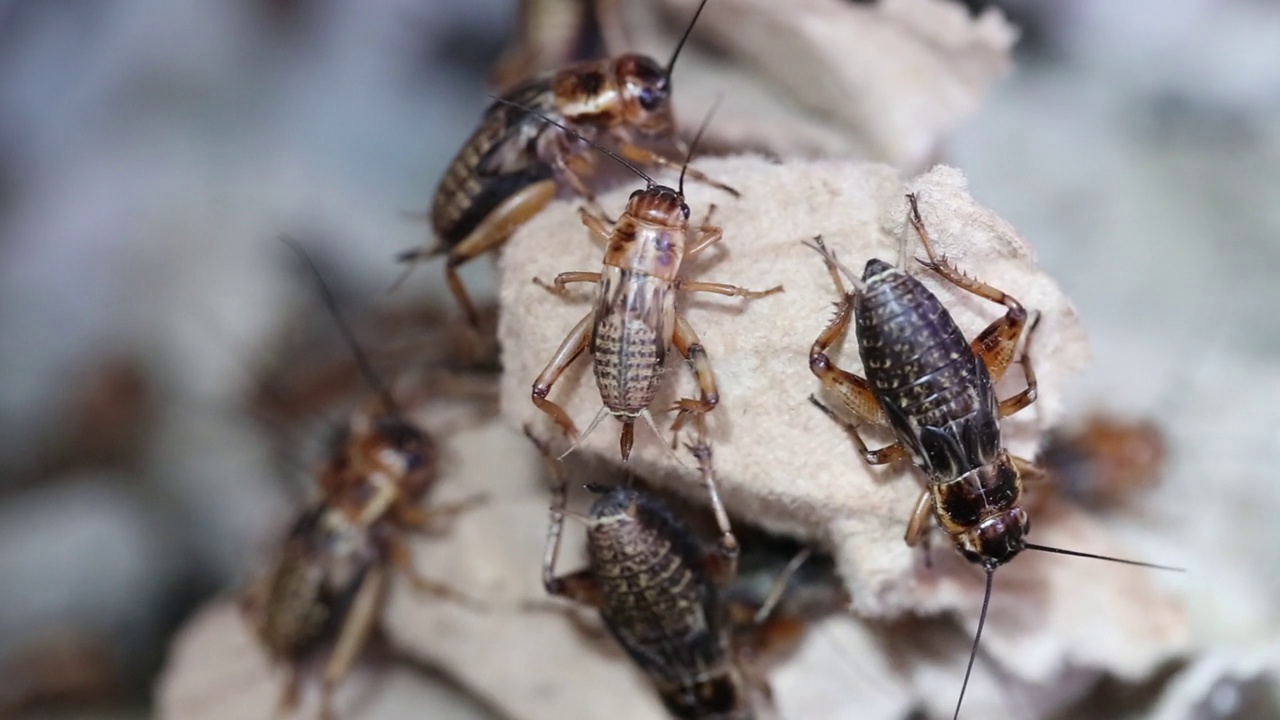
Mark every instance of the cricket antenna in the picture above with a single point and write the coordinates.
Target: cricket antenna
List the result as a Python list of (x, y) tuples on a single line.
[(1074, 553), (578, 135), (982, 620), (834, 266), (672, 63), (698, 136), (362, 360)]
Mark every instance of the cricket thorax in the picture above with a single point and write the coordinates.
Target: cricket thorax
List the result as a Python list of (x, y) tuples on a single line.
[(631, 91)]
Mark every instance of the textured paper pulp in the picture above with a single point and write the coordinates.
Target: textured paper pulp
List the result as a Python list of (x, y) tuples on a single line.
[(789, 467)]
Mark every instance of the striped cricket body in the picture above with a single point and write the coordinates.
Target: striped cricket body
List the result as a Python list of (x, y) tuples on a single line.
[(326, 591), (660, 594), (513, 165), (938, 396)]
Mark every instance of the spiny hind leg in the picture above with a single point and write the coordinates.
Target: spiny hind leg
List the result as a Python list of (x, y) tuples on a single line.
[(690, 348), (879, 456), (723, 564), (568, 351), (580, 586), (1013, 404), (854, 392), (998, 342), (645, 156), (353, 635)]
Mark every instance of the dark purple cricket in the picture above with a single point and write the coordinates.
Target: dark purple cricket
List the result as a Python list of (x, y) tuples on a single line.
[(937, 392)]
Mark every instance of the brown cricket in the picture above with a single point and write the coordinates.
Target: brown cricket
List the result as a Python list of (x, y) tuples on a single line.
[(937, 392), (1106, 461), (635, 321), (328, 587), (660, 594), (513, 164)]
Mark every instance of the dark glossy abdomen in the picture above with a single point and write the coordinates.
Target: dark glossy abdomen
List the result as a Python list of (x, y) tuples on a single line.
[(498, 161), (936, 392)]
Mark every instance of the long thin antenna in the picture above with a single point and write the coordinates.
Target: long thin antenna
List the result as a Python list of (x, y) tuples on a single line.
[(1060, 551), (698, 136), (576, 134), (833, 264), (982, 620), (683, 38), (362, 360)]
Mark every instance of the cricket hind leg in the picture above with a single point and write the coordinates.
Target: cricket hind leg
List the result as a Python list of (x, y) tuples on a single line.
[(353, 636), (690, 348), (573, 346), (580, 586), (490, 234), (997, 344)]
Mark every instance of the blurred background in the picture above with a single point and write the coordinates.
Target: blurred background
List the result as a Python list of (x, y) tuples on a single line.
[(150, 150)]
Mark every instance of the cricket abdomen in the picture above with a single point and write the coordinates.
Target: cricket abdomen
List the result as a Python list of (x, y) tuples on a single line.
[(313, 586), (660, 603), (634, 323), (935, 390)]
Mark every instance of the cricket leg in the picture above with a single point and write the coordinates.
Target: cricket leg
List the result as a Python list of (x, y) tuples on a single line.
[(646, 156), (353, 635), (491, 233), (581, 586), (998, 342), (708, 235), (689, 347), (724, 567), (557, 287), (568, 351), (726, 289), (919, 524)]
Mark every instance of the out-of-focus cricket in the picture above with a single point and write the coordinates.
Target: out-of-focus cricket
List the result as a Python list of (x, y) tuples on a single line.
[(325, 594), (551, 34), (514, 163), (1106, 462)]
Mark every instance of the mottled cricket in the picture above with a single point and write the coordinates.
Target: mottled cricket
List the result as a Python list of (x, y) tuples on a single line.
[(937, 392), (513, 164), (659, 593), (327, 589)]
